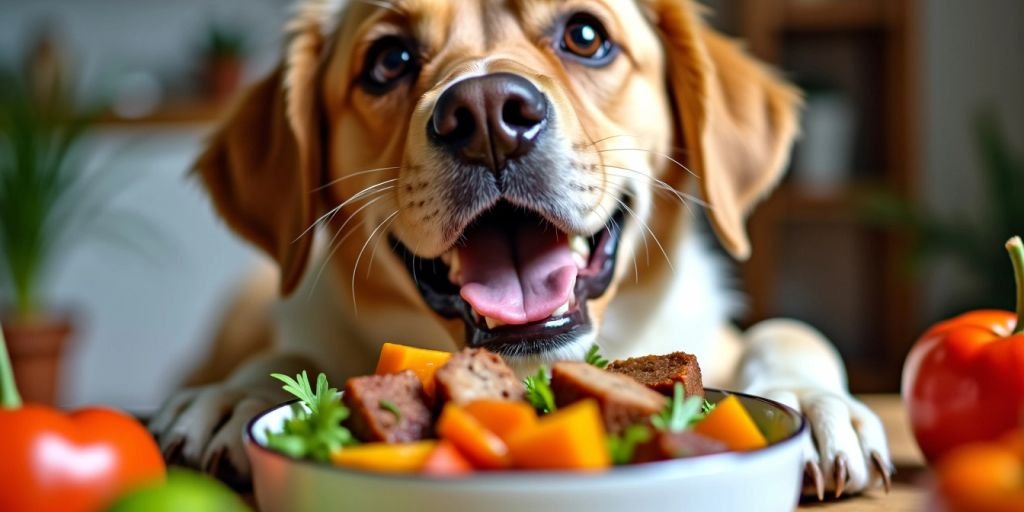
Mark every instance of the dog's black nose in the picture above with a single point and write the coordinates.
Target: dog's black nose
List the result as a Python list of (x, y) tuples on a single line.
[(489, 120)]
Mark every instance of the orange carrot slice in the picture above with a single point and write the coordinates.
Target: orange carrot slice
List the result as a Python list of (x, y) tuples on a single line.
[(730, 423), (571, 438), (503, 417), (482, 447), (423, 362), (446, 460)]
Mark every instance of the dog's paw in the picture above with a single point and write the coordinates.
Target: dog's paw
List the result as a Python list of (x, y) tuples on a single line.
[(202, 428), (847, 451)]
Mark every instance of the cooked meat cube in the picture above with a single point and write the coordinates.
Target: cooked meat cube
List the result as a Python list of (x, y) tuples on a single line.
[(475, 374), (623, 401), (390, 408), (673, 445), (661, 373)]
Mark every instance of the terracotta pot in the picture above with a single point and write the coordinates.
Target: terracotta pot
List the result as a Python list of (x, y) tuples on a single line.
[(36, 347), (223, 76)]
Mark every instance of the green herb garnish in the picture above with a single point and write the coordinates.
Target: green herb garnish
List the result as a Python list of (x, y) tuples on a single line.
[(390, 406), (314, 430), (538, 391), (622, 447), (594, 358), (679, 413), (707, 408)]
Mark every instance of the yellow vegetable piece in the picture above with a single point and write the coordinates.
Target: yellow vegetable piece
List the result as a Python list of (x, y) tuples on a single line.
[(385, 457), (731, 424), (570, 438), (423, 362)]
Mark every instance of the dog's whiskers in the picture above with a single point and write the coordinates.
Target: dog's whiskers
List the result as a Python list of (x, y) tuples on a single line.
[(355, 268), (660, 184), (335, 243), (329, 216), (373, 253), (649, 231), (655, 153), (605, 139), (383, 4), (353, 175)]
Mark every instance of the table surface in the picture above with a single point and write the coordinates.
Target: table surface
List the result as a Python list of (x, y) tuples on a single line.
[(907, 491)]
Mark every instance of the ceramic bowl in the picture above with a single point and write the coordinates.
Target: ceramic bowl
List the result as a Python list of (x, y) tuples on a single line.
[(764, 480)]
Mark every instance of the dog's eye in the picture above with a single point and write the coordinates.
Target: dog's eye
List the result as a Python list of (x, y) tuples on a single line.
[(585, 38), (388, 61)]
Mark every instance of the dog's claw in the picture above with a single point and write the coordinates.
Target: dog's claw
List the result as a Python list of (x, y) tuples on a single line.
[(812, 472), (840, 474), (883, 470)]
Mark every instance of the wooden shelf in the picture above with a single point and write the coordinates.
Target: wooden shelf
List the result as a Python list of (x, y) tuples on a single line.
[(181, 112), (832, 15), (867, 47)]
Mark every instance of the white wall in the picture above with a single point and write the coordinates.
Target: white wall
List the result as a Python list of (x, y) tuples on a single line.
[(145, 322), (147, 315), (972, 59)]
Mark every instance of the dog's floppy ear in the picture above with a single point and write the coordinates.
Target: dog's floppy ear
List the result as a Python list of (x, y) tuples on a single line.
[(263, 163), (737, 118)]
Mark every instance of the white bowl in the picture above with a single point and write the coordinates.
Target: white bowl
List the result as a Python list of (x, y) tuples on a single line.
[(764, 480)]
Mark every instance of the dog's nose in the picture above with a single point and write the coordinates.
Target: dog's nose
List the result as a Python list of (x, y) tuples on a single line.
[(489, 120)]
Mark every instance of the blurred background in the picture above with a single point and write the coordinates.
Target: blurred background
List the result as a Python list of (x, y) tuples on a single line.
[(114, 270)]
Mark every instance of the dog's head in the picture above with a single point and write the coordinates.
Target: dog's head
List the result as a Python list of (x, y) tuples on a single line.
[(507, 156)]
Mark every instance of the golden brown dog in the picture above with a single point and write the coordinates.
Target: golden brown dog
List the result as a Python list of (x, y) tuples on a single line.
[(511, 174)]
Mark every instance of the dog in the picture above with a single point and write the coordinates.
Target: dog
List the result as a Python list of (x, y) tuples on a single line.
[(516, 175)]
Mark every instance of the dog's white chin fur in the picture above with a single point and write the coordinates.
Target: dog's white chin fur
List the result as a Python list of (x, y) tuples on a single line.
[(575, 351)]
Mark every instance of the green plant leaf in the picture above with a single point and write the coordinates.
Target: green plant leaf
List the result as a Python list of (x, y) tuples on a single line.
[(538, 391), (594, 357)]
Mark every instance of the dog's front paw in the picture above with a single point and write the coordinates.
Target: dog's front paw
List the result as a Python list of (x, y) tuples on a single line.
[(201, 428), (848, 451)]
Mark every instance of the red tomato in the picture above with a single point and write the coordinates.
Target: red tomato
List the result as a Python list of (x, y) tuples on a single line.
[(76, 462), (963, 380)]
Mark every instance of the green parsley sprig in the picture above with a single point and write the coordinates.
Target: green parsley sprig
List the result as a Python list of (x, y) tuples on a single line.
[(622, 446), (538, 391), (314, 430), (681, 413), (594, 357)]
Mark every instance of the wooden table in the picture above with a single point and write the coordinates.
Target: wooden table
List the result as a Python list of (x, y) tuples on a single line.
[(908, 492)]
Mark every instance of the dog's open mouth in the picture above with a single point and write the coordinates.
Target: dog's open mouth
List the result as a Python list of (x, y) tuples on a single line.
[(520, 284)]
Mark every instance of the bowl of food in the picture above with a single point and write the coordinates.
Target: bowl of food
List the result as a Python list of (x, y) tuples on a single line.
[(459, 432)]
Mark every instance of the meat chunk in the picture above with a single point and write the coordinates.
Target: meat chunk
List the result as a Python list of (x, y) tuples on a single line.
[(390, 408), (673, 445), (661, 373), (476, 374), (623, 401)]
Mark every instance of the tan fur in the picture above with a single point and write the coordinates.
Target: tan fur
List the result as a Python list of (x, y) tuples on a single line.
[(680, 107)]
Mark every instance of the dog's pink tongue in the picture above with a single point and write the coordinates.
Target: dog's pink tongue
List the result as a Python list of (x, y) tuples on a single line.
[(517, 277)]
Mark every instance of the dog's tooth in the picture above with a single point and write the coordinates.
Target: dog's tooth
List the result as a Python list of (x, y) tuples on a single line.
[(580, 250), (493, 322), (563, 309), (454, 268)]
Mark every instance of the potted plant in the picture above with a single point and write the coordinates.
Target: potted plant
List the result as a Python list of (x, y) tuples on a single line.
[(966, 241), (49, 200), (222, 54)]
